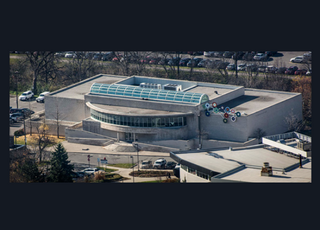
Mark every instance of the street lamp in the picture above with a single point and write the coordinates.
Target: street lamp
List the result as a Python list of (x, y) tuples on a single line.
[(15, 76), (136, 146), (132, 169)]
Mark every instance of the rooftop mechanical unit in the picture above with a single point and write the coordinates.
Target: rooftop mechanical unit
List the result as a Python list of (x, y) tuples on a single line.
[(173, 87), (150, 85)]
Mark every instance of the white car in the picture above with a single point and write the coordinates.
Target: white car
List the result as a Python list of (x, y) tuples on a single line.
[(298, 59), (146, 164), (26, 96), (160, 163), (241, 67), (41, 97), (90, 171), (260, 56), (69, 55)]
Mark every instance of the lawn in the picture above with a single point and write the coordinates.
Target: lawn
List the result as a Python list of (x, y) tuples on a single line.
[(30, 139), (124, 165)]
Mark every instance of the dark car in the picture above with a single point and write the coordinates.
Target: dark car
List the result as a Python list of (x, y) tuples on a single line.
[(203, 62), (184, 61), (107, 56), (174, 61), (170, 165), (164, 61), (228, 54), (218, 53), (300, 72), (248, 56), (16, 116), (154, 60), (270, 53), (291, 70), (97, 56), (26, 112), (252, 67), (281, 70), (237, 55), (194, 62)]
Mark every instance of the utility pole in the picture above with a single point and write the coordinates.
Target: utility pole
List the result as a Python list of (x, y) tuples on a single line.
[(132, 169), (16, 77), (136, 146)]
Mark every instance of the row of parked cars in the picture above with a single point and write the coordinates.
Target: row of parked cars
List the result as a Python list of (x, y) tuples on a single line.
[(16, 115), (160, 163), (242, 55), (28, 95), (292, 70)]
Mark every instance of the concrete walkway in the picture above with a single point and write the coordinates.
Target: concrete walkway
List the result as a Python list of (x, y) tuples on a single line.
[(73, 147)]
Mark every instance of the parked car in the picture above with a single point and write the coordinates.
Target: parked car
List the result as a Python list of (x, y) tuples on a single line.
[(26, 96), (164, 61), (260, 57), (97, 56), (291, 70), (307, 56), (174, 61), (300, 72), (270, 53), (271, 69), (194, 62), (218, 53), (262, 68), (69, 55), (203, 62), (146, 164), (170, 165), (40, 99), (298, 59), (208, 53), (309, 72), (107, 56), (89, 55), (154, 60), (90, 171), (281, 70), (252, 67), (231, 67), (248, 56), (26, 112), (176, 170), (242, 67), (227, 54), (16, 116), (184, 61), (237, 55), (160, 163)]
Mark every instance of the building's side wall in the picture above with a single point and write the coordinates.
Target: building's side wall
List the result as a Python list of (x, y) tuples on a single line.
[(189, 177), (214, 128), (272, 119), (69, 109)]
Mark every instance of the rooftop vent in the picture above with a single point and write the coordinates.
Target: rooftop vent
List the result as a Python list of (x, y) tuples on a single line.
[(150, 85), (266, 169), (173, 87)]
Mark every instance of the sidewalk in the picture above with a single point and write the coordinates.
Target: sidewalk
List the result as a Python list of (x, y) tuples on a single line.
[(92, 149), (125, 173)]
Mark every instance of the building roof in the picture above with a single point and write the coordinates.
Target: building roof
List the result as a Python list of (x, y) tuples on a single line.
[(153, 94), (253, 175)]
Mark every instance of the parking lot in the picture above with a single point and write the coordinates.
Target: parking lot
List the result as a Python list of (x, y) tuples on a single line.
[(31, 104)]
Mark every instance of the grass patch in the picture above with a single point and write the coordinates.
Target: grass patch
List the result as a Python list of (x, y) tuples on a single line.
[(150, 173), (124, 165), (107, 170), (30, 139)]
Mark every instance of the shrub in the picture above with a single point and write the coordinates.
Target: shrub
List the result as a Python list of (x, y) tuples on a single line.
[(19, 133), (99, 175)]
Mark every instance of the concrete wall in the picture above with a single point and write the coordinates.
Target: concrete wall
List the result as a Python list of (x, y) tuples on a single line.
[(88, 141), (191, 178), (69, 109), (52, 128), (272, 119), (231, 131)]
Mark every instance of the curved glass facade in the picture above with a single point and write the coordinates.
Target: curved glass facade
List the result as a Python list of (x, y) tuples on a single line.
[(154, 94), (160, 122)]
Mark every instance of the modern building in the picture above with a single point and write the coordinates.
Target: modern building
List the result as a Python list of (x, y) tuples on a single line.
[(257, 163), (143, 109)]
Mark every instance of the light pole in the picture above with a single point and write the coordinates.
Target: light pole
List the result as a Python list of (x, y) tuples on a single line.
[(16, 73), (136, 146), (132, 169)]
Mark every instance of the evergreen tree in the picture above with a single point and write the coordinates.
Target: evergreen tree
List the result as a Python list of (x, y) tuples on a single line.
[(30, 171), (60, 169)]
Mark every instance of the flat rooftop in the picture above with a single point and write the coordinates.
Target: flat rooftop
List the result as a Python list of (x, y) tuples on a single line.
[(209, 91), (121, 110), (255, 100), (78, 90), (225, 160), (298, 175)]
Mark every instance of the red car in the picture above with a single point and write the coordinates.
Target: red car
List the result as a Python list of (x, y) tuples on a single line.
[(291, 70), (300, 72)]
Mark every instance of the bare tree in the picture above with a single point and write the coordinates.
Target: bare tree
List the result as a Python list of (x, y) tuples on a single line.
[(58, 116), (39, 61)]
